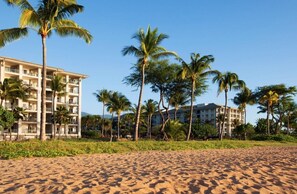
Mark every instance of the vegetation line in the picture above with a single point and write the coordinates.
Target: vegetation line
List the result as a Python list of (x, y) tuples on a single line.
[(35, 148)]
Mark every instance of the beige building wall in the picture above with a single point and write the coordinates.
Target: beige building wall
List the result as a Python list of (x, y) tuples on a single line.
[(31, 75)]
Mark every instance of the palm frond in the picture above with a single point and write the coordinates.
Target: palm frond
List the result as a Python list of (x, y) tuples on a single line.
[(9, 35), (29, 18), (69, 11), (74, 30)]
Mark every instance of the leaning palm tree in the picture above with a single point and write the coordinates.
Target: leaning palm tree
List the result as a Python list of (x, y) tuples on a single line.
[(150, 107), (49, 16), (118, 103), (197, 69), (58, 88), (104, 97), (148, 49), (227, 81), (242, 99)]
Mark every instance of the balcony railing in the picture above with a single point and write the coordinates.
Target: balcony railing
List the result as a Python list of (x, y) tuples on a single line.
[(30, 119), (49, 76), (73, 101), (73, 81), (31, 73), (13, 70), (73, 91), (49, 98), (48, 109)]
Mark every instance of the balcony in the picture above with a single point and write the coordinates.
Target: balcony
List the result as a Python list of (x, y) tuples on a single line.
[(48, 109), (73, 91), (31, 73), (12, 70), (30, 119), (49, 76), (72, 101), (74, 81)]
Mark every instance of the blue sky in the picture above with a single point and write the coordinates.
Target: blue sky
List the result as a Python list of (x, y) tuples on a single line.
[(255, 39)]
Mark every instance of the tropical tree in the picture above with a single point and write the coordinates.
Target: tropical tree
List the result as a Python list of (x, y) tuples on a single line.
[(12, 89), (282, 97), (6, 119), (49, 16), (118, 103), (18, 114), (199, 68), (150, 107), (244, 98), (104, 97), (269, 99), (177, 100), (148, 48), (58, 88), (62, 116), (226, 82)]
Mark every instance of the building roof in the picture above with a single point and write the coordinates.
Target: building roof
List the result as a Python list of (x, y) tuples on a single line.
[(40, 66)]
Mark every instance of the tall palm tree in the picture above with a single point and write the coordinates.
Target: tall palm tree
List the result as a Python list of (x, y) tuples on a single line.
[(148, 49), (226, 82), (58, 88), (178, 100), (197, 69), (118, 103), (244, 98), (49, 16), (150, 108), (104, 97), (269, 99)]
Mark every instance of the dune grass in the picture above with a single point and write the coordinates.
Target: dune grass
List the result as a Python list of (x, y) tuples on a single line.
[(35, 148)]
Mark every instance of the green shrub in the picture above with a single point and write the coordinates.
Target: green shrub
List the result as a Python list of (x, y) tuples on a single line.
[(203, 131), (175, 130), (90, 134), (279, 137)]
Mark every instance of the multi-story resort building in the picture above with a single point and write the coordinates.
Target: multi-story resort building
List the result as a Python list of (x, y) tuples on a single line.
[(31, 74), (206, 113)]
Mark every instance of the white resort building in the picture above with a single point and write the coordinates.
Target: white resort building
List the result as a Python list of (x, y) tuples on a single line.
[(31, 74), (206, 113)]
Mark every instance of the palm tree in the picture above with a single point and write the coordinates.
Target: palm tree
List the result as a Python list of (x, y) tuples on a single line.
[(178, 100), (104, 97), (197, 69), (118, 103), (150, 108), (50, 15), (58, 87), (148, 49), (227, 81), (269, 99), (62, 116), (244, 98)]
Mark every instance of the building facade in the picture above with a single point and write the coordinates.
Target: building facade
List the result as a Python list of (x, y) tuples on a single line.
[(31, 75), (206, 113)]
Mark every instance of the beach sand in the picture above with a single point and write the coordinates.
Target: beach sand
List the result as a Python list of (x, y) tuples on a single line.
[(254, 170)]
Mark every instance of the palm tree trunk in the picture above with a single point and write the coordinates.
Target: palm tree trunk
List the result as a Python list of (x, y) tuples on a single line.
[(225, 112), (139, 103), (103, 129), (288, 127), (267, 120), (111, 128), (191, 111), (175, 111), (244, 115), (150, 126), (119, 117), (43, 91), (54, 96)]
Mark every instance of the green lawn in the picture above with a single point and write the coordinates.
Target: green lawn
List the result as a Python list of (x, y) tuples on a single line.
[(35, 148)]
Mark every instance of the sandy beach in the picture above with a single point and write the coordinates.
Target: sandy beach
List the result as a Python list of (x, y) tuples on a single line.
[(255, 170)]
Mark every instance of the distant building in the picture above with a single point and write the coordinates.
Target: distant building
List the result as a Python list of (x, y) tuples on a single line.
[(31, 74), (206, 113)]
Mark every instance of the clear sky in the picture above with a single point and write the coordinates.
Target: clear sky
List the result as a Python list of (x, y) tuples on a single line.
[(255, 39)]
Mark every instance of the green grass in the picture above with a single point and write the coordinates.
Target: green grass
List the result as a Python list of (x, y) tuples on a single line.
[(35, 148)]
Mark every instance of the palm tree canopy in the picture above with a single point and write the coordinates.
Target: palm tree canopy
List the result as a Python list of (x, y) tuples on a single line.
[(50, 15), (118, 103), (198, 67), (62, 115), (244, 98), (150, 106), (228, 81), (149, 46), (57, 84), (102, 95)]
